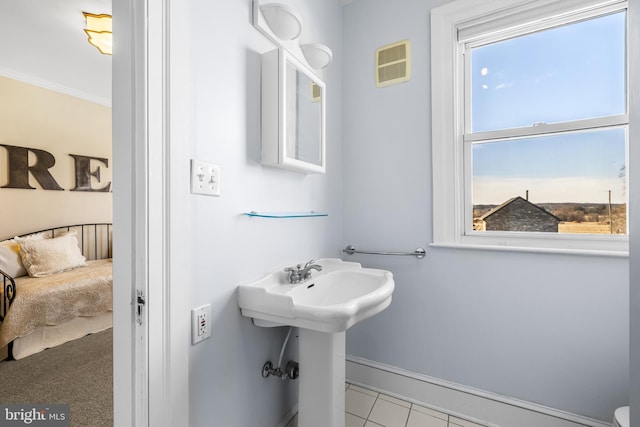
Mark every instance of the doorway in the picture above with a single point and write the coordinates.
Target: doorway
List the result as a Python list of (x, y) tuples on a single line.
[(55, 102)]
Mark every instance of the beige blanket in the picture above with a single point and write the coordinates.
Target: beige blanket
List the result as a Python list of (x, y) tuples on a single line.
[(55, 299)]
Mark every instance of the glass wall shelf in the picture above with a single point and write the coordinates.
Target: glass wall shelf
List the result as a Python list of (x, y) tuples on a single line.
[(285, 214)]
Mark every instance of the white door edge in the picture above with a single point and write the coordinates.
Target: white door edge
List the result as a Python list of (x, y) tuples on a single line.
[(151, 381)]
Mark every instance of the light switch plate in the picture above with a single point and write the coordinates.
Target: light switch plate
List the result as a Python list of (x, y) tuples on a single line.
[(205, 178)]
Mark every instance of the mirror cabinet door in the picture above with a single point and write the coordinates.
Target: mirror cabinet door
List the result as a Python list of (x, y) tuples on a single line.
[(293, 114)]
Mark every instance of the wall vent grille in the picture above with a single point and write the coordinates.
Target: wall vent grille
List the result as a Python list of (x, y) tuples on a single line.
[(393, 64)]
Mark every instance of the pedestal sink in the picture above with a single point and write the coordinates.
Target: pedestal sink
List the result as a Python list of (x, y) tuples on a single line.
[(323, 307)]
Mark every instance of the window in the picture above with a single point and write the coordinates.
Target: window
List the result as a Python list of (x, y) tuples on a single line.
[(530, 125)]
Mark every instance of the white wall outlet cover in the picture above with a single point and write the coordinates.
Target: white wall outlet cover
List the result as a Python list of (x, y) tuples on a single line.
[(205, 178), (200, 323)]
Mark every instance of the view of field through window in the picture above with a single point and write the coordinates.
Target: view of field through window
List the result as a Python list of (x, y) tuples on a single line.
[(558, 181)]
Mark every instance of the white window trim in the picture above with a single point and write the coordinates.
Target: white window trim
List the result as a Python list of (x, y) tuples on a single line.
[(470, 19)]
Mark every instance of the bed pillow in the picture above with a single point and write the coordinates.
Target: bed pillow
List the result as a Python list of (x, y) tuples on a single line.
[(10, 260), (44, 257)]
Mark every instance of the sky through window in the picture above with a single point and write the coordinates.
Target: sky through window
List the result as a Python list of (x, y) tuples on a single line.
[(563, 74)]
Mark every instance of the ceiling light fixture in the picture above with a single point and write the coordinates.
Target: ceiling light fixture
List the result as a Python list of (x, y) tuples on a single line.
[(99, 31)]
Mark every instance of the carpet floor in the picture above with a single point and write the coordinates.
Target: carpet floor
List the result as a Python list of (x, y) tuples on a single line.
[(78, 373)]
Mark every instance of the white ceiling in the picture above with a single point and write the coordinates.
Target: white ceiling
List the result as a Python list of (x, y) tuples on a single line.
[(43, 42)]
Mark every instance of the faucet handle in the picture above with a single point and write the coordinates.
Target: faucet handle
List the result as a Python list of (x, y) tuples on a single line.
[(309, 263), (294, 273)]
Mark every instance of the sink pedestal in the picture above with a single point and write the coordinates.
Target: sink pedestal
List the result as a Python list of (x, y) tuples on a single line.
[(322, 379), (338, 295)]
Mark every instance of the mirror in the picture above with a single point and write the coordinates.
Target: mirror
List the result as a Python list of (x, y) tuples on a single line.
[(293, 114)]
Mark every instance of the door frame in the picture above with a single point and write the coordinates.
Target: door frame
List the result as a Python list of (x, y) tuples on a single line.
[(151, 381)]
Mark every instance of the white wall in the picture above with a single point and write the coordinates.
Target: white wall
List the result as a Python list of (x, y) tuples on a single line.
[(549, 329), (227, 248)]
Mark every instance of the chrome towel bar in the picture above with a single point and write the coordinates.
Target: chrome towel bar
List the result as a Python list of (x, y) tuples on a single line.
[(418, 253)]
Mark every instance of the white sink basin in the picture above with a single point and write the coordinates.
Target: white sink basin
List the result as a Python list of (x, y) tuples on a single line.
[(332, 300)]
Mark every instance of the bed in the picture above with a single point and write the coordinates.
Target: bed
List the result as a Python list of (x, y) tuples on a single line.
[(56, 286)]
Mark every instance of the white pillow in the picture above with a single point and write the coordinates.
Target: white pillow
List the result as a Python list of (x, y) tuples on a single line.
[(44, 257), (10, 260)]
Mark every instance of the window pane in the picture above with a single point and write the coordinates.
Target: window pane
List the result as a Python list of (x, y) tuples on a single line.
[(572, 72), (562, 181)]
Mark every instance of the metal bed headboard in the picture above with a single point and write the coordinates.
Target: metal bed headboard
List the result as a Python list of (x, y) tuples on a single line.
[(94, 239)]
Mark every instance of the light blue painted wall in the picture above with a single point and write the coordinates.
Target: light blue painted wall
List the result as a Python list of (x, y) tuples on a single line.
[(550, 329), (226, 248)]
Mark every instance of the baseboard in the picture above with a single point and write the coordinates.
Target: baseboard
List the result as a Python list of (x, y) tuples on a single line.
[(485, 408)]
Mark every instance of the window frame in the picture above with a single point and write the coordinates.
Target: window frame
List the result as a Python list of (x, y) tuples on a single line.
[(452, 26)]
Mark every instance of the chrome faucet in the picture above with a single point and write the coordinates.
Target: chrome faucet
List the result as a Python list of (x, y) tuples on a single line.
[(306, 271), (300, 273)]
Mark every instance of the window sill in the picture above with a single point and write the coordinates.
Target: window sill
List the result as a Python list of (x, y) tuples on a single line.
[(538, 250)]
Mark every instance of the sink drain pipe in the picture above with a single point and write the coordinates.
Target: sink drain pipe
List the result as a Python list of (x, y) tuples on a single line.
[(291, 370)]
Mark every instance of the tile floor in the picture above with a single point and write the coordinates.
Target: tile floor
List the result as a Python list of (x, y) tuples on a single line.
[(367, 408)]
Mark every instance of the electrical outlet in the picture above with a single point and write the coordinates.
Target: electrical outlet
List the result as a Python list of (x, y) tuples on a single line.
[(200, 323), (205, 178)]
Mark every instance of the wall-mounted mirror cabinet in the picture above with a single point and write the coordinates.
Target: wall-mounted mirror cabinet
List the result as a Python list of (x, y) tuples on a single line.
[(293, 114)]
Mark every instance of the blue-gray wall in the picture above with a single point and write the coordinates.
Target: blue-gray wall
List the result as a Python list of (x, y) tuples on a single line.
[(544, 328), (550, 329), (226, 248)]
